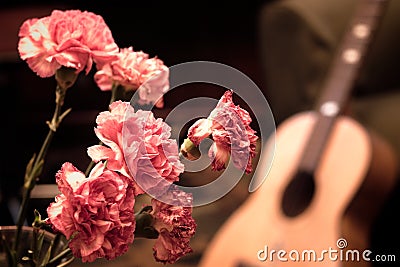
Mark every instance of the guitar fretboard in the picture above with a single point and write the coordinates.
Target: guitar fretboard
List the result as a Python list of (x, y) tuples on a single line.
[(342, 76)]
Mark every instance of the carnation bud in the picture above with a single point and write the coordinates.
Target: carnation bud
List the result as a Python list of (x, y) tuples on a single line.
[(66, 77), (189, 150)]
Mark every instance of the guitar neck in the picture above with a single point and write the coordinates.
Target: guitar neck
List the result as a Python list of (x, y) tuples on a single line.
[(342, 76)]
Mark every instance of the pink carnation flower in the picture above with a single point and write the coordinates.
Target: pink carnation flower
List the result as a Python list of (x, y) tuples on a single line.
[(96, 212), (175, 225), (136, 71), (229, 126), (138, 146), (200, 130), (110, 125), (159, 164), (72, 38)]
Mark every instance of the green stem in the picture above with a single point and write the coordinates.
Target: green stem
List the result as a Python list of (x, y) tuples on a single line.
[(33, 172), (53, 125), (114, 90), (90, 166), (60, 255)]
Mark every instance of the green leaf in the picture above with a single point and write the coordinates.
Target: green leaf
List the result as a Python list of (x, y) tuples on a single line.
[(38, 238), (54, 261), (28, 171), (47, 256), (11, 255)]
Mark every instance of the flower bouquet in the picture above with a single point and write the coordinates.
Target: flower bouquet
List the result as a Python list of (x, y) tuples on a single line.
[(94, 215)]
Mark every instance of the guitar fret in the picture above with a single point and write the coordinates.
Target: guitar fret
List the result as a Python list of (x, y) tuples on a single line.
[(351, 52), (330, 109), (361, 30), (351, 55)]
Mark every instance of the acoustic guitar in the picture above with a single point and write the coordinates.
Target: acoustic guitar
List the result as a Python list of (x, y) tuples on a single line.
[(327, 183)]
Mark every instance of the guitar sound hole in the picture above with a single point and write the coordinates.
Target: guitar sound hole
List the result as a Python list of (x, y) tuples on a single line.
[(298, 194)]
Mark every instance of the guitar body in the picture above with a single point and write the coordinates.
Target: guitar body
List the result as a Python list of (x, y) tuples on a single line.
[(355, 173)]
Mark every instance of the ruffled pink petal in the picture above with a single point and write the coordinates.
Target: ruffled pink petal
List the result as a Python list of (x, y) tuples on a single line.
[(103, 78), (70, 38), (98, 214), (219, 154), (229, 127), (134, 70), (98, 152), (175, 225), (200, 130), (138, 146)]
